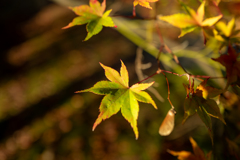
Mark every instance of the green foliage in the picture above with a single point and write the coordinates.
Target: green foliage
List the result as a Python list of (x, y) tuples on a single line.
[(200, 99), (93, 15), (120, 96), (199, 102)]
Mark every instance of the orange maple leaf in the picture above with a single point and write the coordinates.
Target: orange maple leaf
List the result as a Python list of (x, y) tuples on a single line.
[(144, 3)]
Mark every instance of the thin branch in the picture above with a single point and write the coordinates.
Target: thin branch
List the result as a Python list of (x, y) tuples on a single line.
[(168, 49), (139, 67), (168, 91)]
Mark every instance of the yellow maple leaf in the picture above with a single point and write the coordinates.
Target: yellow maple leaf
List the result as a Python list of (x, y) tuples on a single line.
[(191, 21)]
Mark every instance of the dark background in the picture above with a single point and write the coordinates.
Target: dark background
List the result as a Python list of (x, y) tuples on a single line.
[(41, 66)]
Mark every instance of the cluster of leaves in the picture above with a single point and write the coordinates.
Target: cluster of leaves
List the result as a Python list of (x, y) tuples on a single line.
[(191, 21), (200, 101), (118, 94), (93, 15)]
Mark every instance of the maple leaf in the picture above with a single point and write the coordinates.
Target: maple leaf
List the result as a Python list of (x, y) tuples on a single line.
[(93, 15), (199, 101), (144, 3), (120, 96), (191, 21), (232, 65), (197, 154), (226, 32)]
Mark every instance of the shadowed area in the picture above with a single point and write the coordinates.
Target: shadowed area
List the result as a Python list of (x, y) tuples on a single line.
[(43, 65)]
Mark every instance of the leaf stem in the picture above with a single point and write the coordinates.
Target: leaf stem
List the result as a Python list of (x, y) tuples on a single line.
[(168, 90), (148, 77)]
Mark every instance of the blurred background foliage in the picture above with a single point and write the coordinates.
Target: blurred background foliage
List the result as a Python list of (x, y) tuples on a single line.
[(41, 118)]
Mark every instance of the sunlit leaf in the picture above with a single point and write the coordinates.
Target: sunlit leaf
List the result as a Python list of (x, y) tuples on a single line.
[(179, 20), (211, 21), (93, 15), (226, 29), (144, 3), (208, 91), (189, 22), (183, 155), (119, 96)]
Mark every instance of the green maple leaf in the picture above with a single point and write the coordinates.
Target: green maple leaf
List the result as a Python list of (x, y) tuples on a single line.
[(200, 102), (120, 96), (191, 21), (94, 15)]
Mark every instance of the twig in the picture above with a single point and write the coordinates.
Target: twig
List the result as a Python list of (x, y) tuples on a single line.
[(139, 67)]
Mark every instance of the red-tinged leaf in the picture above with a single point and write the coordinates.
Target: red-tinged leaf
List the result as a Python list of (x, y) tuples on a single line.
[(190, 106), (144, 3), (232, 65), (120, 96), (196, 150), (97, 7), (93, 15)]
